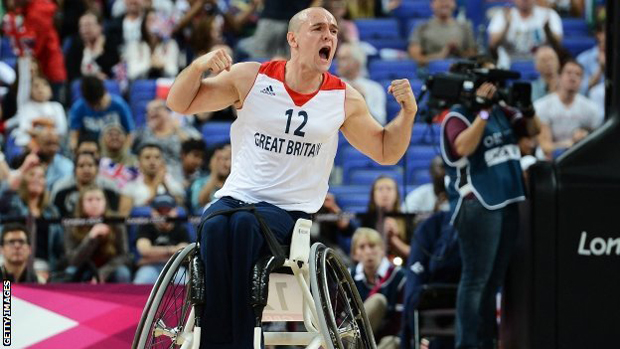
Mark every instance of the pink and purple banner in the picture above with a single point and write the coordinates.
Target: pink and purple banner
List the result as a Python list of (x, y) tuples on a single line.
[(75, 315)]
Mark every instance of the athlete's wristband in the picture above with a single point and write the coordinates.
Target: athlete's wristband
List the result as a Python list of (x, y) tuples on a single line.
[(484, 115)]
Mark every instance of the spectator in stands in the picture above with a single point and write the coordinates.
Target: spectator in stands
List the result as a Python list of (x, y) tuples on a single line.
[(200, 26), (347, 30), (242, 17), (565, 113), (431, 197), (96, 108), (442, 36), (434, 259), (351, 63), (97, 251), (117, 163), (593, 62), (91, 52), (161, 128), (69, 16), (383, 206), (5, 170), (567, 8), (516, 32), (380, 284), (87, 144), (203, 189), (16, 252), (597, 95), (269, 39), (155, 55), (66, 191), (44, 150), (30, 25), (154, 178), (192, 157), (126, 27), (548, 65), (158, 242), (164, 7), (371, 8), (31, 199), (39, 111)]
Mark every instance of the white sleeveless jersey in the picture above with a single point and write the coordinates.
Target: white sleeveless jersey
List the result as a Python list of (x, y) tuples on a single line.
[(284, 143)]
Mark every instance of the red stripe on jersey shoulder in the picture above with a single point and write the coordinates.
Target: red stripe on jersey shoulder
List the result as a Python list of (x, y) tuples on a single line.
[(273, 69), (276, 70)]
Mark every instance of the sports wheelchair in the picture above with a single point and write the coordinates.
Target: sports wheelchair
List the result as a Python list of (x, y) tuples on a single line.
[(311, 284)]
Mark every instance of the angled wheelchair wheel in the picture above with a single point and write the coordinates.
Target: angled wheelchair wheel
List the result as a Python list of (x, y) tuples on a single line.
[(342, 318), (167, 309)]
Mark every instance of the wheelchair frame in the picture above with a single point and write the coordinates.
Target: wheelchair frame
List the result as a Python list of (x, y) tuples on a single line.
[(318, 314)]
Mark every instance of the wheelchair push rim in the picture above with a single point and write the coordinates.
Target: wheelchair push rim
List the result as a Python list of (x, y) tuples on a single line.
[(342, 317), (167, 310)]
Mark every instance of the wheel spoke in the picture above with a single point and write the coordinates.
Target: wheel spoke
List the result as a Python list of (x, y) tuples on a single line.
[(171, 313), (340, 304)]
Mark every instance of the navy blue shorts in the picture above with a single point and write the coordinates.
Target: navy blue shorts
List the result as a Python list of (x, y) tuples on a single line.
[(230, 246)]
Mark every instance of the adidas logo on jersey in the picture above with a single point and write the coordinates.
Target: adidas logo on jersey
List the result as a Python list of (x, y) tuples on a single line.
[(268, 91)]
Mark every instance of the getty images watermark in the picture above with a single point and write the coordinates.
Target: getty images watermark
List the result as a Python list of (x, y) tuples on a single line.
[(6, 313)]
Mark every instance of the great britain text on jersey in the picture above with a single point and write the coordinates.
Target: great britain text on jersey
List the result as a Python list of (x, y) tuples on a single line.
[(286, 146)]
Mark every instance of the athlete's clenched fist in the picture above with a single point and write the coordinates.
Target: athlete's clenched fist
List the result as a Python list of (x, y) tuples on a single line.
[(401, 90), (214, 61)]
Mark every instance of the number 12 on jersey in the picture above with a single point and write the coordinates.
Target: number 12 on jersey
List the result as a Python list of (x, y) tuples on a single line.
[(298, 131)]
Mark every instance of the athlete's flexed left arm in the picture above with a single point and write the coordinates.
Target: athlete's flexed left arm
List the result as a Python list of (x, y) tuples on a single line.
[(386, 145)]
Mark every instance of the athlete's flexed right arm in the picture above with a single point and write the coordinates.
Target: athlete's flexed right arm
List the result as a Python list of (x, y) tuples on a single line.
[(228, 84)]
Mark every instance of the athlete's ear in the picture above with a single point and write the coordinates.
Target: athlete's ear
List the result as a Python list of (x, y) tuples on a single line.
[(292, 39)]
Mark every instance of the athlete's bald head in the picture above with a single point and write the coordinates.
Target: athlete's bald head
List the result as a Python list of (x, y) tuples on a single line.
[(302, 16)]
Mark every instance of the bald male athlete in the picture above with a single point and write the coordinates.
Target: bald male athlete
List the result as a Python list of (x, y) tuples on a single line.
[(283, 145)]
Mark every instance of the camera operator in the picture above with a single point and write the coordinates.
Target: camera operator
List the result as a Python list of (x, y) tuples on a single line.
[(479, 148)]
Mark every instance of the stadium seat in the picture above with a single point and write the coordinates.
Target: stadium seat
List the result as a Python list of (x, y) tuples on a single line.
[(344, 190), (411, 25), (577, 44), (420, 176), (420, 156), (575, 27), (6, 51), (370, 29), (10, 61), (439, 66), (110, 85), (393, 43), (138, 110), (354, 200), (368, 176), (413, 9), (12, 150), (425, 134), (141, 92), (390, 70), (526, 68), (216, 132)]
